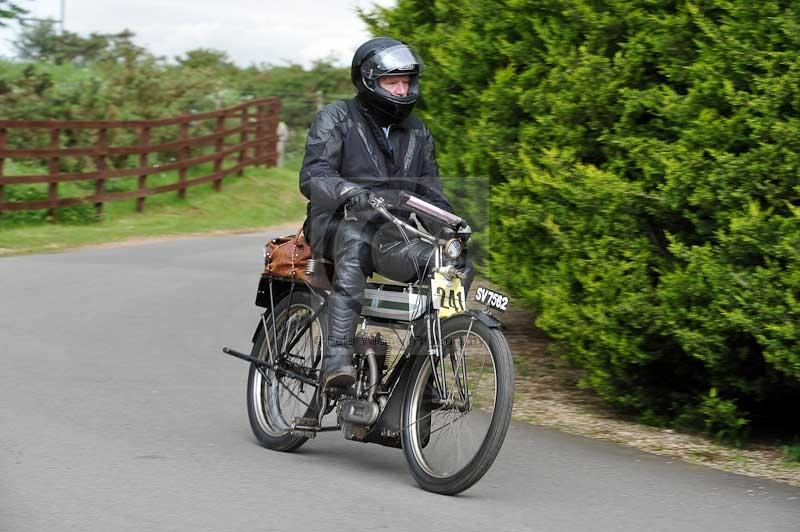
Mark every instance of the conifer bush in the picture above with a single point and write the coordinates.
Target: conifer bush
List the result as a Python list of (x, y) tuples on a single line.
[(644, 163)]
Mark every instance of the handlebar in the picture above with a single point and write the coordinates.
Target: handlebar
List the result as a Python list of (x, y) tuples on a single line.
[(419, 206), (429, 210), (380, 205)]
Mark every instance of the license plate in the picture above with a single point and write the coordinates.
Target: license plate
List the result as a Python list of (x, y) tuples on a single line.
[(492, 299), (448, 295)]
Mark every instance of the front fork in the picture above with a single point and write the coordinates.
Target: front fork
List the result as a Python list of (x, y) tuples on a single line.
[(458, 362), (436, 352), (433, 326)]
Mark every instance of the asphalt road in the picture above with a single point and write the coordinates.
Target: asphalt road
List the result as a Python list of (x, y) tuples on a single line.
[(119, 412)]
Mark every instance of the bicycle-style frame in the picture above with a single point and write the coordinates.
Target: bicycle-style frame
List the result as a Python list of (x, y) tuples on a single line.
[(386, 429)]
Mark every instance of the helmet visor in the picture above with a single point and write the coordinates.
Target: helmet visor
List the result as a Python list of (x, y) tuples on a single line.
[(400, 59)]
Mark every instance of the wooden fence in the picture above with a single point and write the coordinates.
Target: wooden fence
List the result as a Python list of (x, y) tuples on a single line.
[(254, 131)]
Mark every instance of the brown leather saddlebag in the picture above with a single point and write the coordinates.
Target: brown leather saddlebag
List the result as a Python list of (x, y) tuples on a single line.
[(288, 256)]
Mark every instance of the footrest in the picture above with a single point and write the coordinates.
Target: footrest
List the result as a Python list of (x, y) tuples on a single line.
[(305, 426)]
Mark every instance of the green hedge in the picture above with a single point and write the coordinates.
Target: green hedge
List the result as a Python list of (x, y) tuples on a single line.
[(644, 162)]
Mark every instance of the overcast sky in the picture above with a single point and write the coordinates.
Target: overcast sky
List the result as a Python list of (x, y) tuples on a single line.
[(251, 31)]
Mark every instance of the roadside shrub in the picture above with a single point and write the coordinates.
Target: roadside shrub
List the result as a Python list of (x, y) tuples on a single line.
[(722, 419), (643, 162), (791, 453)]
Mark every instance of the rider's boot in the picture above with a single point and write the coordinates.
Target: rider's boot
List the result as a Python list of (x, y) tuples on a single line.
[(337, 369), (337, 365)]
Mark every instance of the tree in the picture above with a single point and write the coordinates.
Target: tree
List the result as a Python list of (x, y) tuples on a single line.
[(41, 41), (206, 58), (10, 11)]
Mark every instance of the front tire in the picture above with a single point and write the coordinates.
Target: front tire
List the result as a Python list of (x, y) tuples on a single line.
[(450, 442)]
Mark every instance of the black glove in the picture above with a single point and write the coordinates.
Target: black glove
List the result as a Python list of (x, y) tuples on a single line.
[(359, 200)]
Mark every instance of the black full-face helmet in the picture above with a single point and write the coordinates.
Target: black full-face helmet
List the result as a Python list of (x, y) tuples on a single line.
[(384, 57)]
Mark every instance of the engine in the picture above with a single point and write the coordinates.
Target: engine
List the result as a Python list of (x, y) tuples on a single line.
[(358, 414)]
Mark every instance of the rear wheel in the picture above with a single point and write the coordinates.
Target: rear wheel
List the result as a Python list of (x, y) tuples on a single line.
[(454, 422), (274, 399)]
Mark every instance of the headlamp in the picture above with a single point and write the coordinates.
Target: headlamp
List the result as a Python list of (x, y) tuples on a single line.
[(453, 248)]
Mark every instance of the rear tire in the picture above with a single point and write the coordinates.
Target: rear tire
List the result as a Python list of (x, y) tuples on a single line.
[(436, 437), (271, 405)]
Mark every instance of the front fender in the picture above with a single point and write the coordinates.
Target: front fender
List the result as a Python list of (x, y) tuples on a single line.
[(485, 318)]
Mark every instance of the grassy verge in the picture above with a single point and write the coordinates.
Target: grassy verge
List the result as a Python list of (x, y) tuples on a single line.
[(261, 197)]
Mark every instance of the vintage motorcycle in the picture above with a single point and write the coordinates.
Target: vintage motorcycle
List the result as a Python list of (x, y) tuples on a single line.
[(438, 383)]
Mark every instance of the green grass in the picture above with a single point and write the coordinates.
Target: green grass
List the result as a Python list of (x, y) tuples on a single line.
[(261, 197), (791, 453)]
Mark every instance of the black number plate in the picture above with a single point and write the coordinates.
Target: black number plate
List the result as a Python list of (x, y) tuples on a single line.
[(492, 299)]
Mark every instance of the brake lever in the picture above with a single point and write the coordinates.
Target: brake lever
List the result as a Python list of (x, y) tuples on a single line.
[(380, 205)]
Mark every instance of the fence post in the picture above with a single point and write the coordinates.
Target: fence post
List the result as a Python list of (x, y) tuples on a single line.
[(2, 160), (183, 155), (53, 168), (276, 113), (219, 146), (261, 145), (101, 167), (243, 137), (144, 140)]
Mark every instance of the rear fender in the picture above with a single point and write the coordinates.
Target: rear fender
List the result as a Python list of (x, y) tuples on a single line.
[(280, 287), (255, 333)]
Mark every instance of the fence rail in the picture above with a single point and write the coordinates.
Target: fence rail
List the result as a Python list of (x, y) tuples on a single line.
[(255, 123)]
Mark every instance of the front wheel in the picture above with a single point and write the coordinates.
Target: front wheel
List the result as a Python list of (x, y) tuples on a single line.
[(455, 421)]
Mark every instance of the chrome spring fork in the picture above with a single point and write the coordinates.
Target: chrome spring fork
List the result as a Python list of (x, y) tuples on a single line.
[(432, 350), (440, 349), (435, 331)]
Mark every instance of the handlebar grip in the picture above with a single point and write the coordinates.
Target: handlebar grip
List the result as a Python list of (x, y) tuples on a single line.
[(428, 209)]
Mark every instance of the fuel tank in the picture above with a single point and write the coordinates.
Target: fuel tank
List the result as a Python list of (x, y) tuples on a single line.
[(393, 302)]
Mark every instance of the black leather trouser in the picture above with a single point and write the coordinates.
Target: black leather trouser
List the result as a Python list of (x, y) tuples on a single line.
[(360, 249)]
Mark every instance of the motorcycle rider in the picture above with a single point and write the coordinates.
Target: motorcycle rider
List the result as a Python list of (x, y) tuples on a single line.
[(356, 149)]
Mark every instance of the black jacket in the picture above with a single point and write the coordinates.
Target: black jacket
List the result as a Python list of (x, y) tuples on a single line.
[(346, 148)]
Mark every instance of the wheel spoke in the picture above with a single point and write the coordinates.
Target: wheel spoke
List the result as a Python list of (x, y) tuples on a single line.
[(293, 394)]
